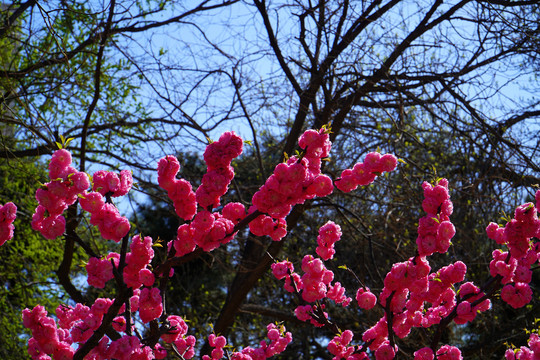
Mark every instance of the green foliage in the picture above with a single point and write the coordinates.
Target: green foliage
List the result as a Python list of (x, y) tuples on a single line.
[(27, 262)]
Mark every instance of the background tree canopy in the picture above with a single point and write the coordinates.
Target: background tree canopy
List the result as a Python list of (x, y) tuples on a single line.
[(449, 87)]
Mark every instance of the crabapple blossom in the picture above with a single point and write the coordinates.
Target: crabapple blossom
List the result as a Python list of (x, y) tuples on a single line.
[(336, 292), (136, 261), (234, 212), (278, 336), (531, 352), (110, 223), (212, 231), (150, 304), (447, 352), (101, 270), (282, 269), (495, 232), (503, 265), (186, 346), (413, 295), (306, 313), (377, 334), (218, 343), (218, 156), (179, 191), (55, 196), (469, 293), (293, 182), (366, 172), (8, 213), (266, 225), (338, 346), (435, 229), (316, 279), (385, 352), (329, 234), (424, 354), (45, 337), (517, 295), (178, 329), (184, 242), (110, 183), (366, 299)]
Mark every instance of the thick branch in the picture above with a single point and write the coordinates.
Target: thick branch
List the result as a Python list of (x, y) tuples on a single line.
[(11, 20)]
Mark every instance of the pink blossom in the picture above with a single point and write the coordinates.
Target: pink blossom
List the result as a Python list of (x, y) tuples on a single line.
[(517, 295), (234, 212), (424, 354), (99, 272), (447, 352), (178, 329), (282, 269), (385, 352), (366, 299), (150, 304), (7, 216), (338, 346)]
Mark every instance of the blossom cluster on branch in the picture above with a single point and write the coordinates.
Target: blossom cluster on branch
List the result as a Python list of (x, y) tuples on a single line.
[(414, 295), (8, 213)]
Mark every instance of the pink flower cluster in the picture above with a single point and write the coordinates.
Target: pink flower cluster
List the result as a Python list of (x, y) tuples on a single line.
[(179, 191), (105, 216), (440, 293), (435, 229), (218, 343), (207, 230), (414, 297), (55, 196), (110, 183), (402, 284), (266, 225), (278, 336), (293, 182), (119, 322), (101, 270), (366, 172), (137, 261), (279, 339), (46, 339), (8, 213), (136, 272), (532, 352), (410, 287), (150, 304), (365, 298), (329, 234), (339, 347), (315, 284), (218, 157), (316, 278), (469, 295), (177, 336), (311, 313), (76, 325), (445, 352), (514, 266), (66, 186)]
